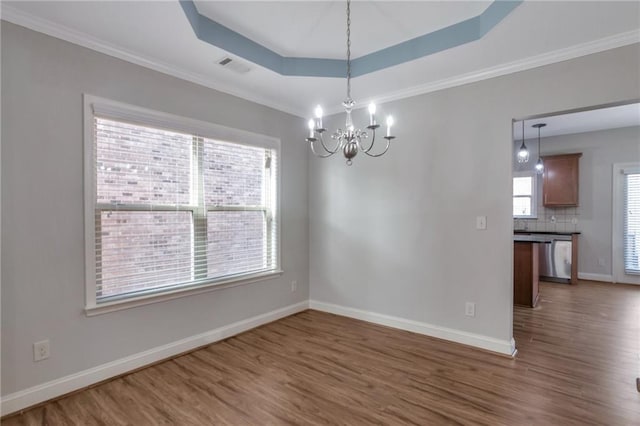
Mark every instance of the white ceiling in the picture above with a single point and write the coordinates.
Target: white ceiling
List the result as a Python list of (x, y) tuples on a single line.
[(318, 28), (580, 122), (158, 35)]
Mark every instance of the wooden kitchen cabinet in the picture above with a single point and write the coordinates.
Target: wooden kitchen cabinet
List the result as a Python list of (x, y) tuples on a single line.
[(525, 274), (560, 183)]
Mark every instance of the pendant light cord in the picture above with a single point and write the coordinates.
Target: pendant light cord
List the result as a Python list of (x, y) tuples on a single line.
[(539, 155), (348, 49)]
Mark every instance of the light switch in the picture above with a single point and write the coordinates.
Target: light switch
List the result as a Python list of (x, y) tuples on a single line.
[(481, 222), (470, 309)]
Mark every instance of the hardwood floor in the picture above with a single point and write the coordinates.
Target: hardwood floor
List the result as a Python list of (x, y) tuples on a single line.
[(577, 364)]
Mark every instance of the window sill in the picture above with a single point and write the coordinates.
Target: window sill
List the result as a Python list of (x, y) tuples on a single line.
[(118, 305)]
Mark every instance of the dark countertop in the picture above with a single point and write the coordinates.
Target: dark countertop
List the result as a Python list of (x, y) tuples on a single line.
[(522, 231), (532, 239)]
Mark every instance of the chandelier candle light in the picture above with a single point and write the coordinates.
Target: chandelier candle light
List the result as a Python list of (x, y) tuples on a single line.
[(350, 140)]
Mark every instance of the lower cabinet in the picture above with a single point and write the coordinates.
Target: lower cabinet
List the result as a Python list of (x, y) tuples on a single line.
[(525, 273)]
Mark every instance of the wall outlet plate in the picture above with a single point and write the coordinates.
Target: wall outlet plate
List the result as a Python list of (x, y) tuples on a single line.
[(41, 350), (481, 222)]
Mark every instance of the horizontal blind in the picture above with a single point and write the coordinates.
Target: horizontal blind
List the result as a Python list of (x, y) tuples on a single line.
[(273, 241), (141, 165), (144, 235), (239, 184), (632, 223), (142, 251), (175, 209)]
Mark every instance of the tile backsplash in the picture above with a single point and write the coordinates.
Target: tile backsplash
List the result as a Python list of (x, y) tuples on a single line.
[(564, 219)]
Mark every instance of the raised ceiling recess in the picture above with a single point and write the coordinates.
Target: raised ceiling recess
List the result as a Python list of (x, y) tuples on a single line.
[(464, 30)]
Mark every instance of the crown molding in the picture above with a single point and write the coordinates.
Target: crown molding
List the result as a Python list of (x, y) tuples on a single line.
[(32, 22), (560, 55), (18, 17)]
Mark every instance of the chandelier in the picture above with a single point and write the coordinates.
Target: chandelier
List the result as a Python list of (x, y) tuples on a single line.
[(350, 140)]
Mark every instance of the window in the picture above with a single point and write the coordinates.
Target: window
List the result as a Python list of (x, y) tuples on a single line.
[(626, 223), (174, 204), (631, 223), (524, 195)]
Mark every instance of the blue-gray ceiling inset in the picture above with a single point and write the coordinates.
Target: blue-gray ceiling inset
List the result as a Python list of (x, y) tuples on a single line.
[(454, 35)]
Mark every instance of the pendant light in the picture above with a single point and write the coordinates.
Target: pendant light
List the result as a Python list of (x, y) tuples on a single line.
[(539, 164), (523, 153)]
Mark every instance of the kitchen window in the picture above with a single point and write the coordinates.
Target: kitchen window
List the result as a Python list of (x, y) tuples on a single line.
[(174, 206), (524, 195)]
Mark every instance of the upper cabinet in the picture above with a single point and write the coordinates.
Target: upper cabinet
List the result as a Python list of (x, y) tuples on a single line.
[(560, 180)]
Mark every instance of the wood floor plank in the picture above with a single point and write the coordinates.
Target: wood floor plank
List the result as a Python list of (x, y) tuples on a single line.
[(577, 364)]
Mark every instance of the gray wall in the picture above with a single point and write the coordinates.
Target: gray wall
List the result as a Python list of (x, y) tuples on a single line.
[(42, 210), (396, 235), (600, 150), (393, 235)]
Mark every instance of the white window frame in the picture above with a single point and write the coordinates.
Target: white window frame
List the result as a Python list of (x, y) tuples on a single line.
[(110, 109), (534, 194), (617, 243)]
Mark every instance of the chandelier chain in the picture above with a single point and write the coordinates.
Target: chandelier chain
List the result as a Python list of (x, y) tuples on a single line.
[(349, 49)]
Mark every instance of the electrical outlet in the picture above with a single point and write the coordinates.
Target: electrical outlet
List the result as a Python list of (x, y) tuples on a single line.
[(41, 350), (470, 309), (574, 221), (601, 261), (294, 285)]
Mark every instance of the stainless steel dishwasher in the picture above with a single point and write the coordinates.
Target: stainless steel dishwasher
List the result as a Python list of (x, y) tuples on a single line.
[(555, 259)]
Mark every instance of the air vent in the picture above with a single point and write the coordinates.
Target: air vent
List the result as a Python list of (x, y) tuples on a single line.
[(234, 65)]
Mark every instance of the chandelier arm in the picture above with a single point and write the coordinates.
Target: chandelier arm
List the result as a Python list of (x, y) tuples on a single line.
[(313, 150), (386, 148), (373, 140), (324, 146)]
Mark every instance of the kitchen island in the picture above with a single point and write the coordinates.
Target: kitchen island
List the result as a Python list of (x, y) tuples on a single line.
[(559, 259), (525, 268)]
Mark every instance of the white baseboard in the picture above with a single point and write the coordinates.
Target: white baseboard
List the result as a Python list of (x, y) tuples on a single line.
[(43, 392), (506, 347), (595, 277)]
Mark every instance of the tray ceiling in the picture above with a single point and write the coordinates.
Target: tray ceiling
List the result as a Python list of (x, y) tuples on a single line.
[(316, 29), (159, 35)]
